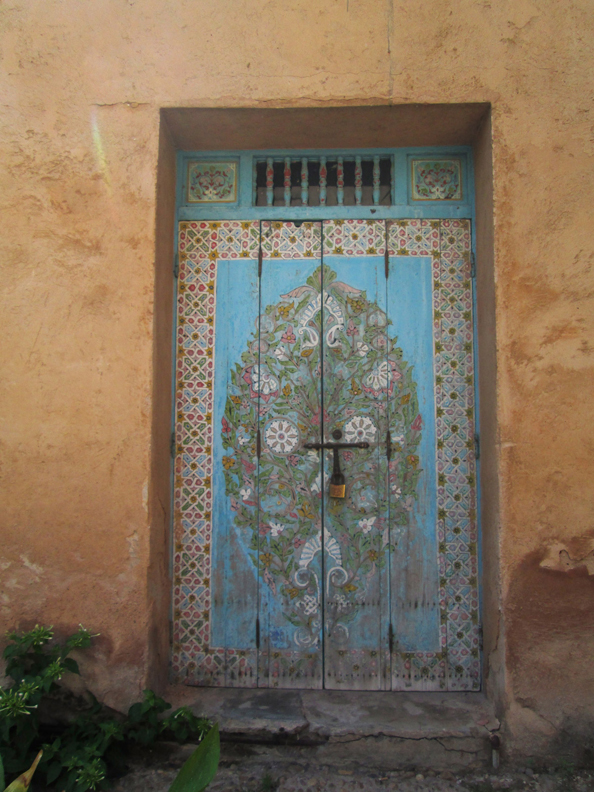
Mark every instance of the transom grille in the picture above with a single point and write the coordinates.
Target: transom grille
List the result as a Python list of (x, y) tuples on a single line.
[(323, 181)]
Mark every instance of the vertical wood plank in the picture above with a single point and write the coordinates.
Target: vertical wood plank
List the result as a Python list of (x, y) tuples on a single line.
[(417, 662), (214, 603), (355, 547), (290, 507)]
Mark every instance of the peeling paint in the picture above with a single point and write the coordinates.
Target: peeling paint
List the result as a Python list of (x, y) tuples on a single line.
[(559, 559)]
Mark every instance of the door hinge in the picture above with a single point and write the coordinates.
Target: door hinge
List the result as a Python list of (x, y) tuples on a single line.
[(260, 261), (477, 447), (172, 444), (480, 637), (472, 265), (176, 266), (258, 632), (391, 638), (388, 445), (258, 444)]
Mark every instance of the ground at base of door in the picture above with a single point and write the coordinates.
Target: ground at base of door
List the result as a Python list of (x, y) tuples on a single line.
[(274, 777)]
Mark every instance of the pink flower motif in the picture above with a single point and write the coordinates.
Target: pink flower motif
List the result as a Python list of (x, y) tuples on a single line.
[(293, 459), (249, 467), (289, 336), (417, 424), (298, 542), (348, 456), (264, 529), (316, 418), (226, 427), (351, 329)]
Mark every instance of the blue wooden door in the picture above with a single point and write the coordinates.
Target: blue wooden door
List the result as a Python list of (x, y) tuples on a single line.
[(289, 334)]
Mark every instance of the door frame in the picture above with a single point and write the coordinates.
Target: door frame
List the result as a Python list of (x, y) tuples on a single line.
[(402, 207)]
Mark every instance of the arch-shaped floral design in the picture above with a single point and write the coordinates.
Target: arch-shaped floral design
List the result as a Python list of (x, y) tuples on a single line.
[(369, 389)]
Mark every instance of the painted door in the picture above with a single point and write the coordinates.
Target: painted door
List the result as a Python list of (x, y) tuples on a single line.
[(287, 334)]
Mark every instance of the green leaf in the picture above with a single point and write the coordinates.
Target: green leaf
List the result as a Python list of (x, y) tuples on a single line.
[(201, 767), (53, 772)]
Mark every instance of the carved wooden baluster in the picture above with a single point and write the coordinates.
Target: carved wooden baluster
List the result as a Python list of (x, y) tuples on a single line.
[(287, 181), (340, 182), (269, 182), (323, 180), (376, 181), (358, 181), (304, 182)]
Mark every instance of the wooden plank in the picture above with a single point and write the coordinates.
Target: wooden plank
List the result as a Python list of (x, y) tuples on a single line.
[(289, 476), (417, 662), (356, 383), (215, 590)]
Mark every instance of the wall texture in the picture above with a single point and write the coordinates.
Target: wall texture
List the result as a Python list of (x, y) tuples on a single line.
[(82, 85)]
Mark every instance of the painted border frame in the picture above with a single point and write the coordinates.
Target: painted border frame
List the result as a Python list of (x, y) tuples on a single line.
[(448, 243)]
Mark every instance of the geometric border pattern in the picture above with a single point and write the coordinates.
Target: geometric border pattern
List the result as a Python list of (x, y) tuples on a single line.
[(447, 242)]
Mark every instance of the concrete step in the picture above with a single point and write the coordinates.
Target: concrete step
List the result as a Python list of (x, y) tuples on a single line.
[(384, 730)]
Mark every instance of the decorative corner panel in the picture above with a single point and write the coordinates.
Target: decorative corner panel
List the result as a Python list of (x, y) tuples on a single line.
[(436, 180), (210, 182)]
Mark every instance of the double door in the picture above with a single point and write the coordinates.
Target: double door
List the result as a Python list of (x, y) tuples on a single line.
[(291, 338)]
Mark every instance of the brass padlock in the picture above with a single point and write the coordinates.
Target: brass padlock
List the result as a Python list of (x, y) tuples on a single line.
[(337, 490)]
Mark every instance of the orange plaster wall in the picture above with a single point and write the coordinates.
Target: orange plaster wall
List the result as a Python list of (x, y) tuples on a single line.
[(82, 85)]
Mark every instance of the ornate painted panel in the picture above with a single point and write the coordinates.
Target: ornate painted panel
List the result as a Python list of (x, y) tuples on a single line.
[(287, 334), (436, 180), (211, 182)]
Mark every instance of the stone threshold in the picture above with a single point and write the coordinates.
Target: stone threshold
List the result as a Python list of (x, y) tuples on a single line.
[(390, 730)]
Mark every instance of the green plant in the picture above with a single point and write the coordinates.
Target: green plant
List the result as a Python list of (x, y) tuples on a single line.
[(20, 784), (93, 746), (268, 783)]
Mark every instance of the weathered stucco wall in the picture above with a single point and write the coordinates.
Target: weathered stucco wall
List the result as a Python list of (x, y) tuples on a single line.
[(83, 517)]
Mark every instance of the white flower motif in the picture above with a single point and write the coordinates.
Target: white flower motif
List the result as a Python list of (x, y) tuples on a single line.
[(276, 528), (381, 379), (245, 493), (360, 429), (280, 353), (361, 349), (366, 524), (242, 439), (281, 436), (396, 491), (263, 381)]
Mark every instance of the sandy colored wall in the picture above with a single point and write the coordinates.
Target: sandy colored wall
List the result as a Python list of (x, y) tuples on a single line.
[(83, 481)]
